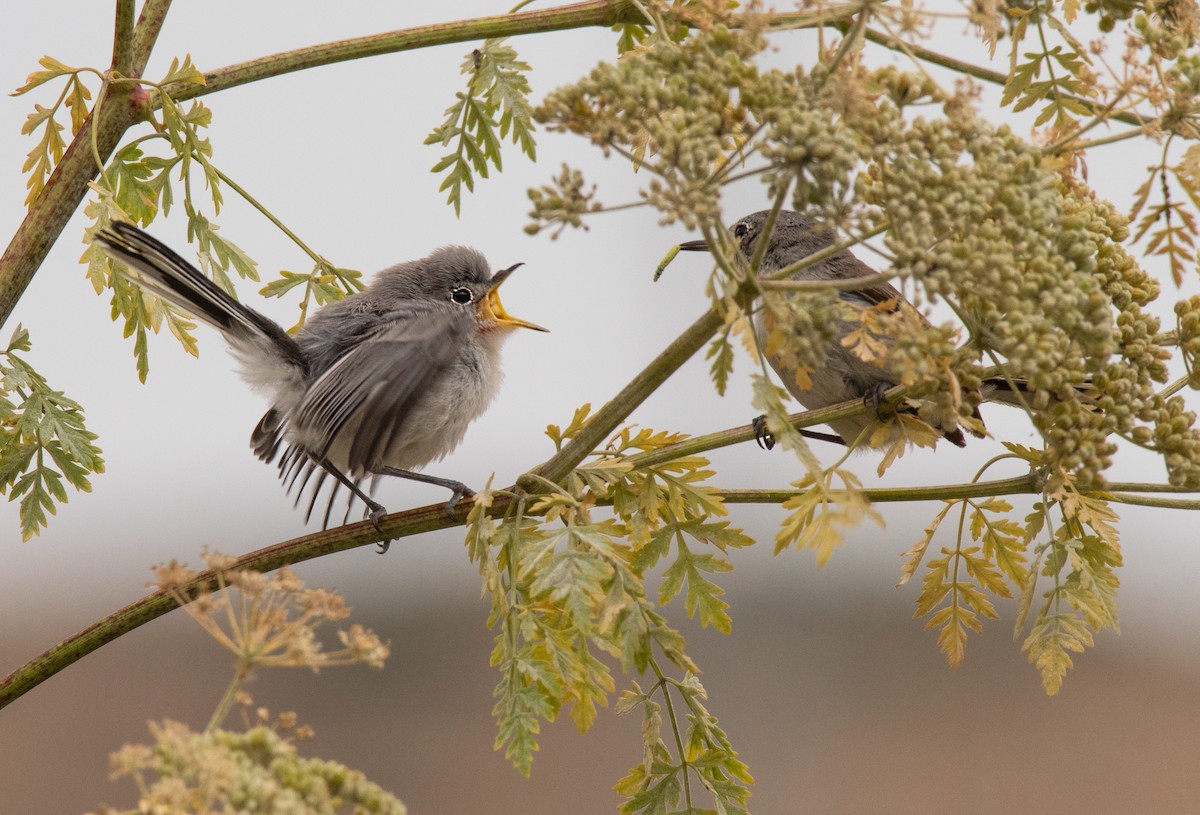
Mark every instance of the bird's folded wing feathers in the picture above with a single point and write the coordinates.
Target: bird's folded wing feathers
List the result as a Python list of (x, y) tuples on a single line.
[(378, 381)]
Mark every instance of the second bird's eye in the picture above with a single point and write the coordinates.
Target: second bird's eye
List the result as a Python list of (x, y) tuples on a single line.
[(462, 295), (740, 229)]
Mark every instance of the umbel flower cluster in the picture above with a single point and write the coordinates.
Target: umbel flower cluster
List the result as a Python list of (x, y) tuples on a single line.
[(1030, 262)]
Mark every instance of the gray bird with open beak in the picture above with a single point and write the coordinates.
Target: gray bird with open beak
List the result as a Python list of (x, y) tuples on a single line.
[(379, 383)]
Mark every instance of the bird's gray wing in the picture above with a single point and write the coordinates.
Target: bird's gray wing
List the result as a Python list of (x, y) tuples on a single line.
[(845, 266), (377, 382)]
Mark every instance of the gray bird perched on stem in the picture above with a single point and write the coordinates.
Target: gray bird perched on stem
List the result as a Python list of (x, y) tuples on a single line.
[(379, 383), (844, 375)]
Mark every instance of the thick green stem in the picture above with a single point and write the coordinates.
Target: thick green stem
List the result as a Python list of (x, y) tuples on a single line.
[(602, 424), (145, 34), (970, 69), (122, 61), (578, 15)]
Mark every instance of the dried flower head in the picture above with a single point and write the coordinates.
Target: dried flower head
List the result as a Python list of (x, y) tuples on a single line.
[(271, 619)]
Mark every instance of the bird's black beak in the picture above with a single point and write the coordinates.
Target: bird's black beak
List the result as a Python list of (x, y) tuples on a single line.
[(694, 246)]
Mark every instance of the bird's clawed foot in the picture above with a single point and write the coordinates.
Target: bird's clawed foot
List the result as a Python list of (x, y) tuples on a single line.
[(458, 491), (375, 513), (762, 436)]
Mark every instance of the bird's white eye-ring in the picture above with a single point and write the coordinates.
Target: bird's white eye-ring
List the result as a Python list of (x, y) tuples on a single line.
[(462, 295), (740, 229)]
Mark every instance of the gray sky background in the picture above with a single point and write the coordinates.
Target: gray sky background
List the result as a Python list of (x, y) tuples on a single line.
[(337, 154)]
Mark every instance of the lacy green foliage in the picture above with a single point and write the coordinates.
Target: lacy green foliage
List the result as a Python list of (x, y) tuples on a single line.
[(325, 283), (48, 151), (256, 771), (682, 15), (720, 351), (821, 513), (136, 185), (662, 781), (43, 442), (494, 106), (571, 586), (1068, 537), (1055, 76), (829, 500), (141, 311), (957, 588), (1170, 224), (1167, 34)]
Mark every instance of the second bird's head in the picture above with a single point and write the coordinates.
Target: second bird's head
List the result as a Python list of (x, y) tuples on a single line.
[(790, 227)]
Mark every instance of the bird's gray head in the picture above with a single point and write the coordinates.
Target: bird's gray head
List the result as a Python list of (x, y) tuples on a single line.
[(454, 275), (793, 237)]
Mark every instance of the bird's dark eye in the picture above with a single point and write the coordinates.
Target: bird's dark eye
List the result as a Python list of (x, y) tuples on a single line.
[(462, 295), (740, 229)]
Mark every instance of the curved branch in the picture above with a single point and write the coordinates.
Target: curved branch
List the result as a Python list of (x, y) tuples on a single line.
[(433, 517), (152, 606), (577, 15)]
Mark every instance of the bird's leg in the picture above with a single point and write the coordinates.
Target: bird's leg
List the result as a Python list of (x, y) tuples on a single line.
[(458, 490), (767, 441), (874, 397), (832, 438), (375, 510)]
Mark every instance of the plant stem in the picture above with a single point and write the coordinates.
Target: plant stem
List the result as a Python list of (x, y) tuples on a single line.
[(145, 33), (744, 433), (620, 406), (577, 15), (429, 518), (122, 61), (270, 216), (984, 74), (1022, 484), (223, 707), (683, 763)]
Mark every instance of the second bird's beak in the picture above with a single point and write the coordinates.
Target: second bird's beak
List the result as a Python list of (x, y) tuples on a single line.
[(694, 246), (491, 308)]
